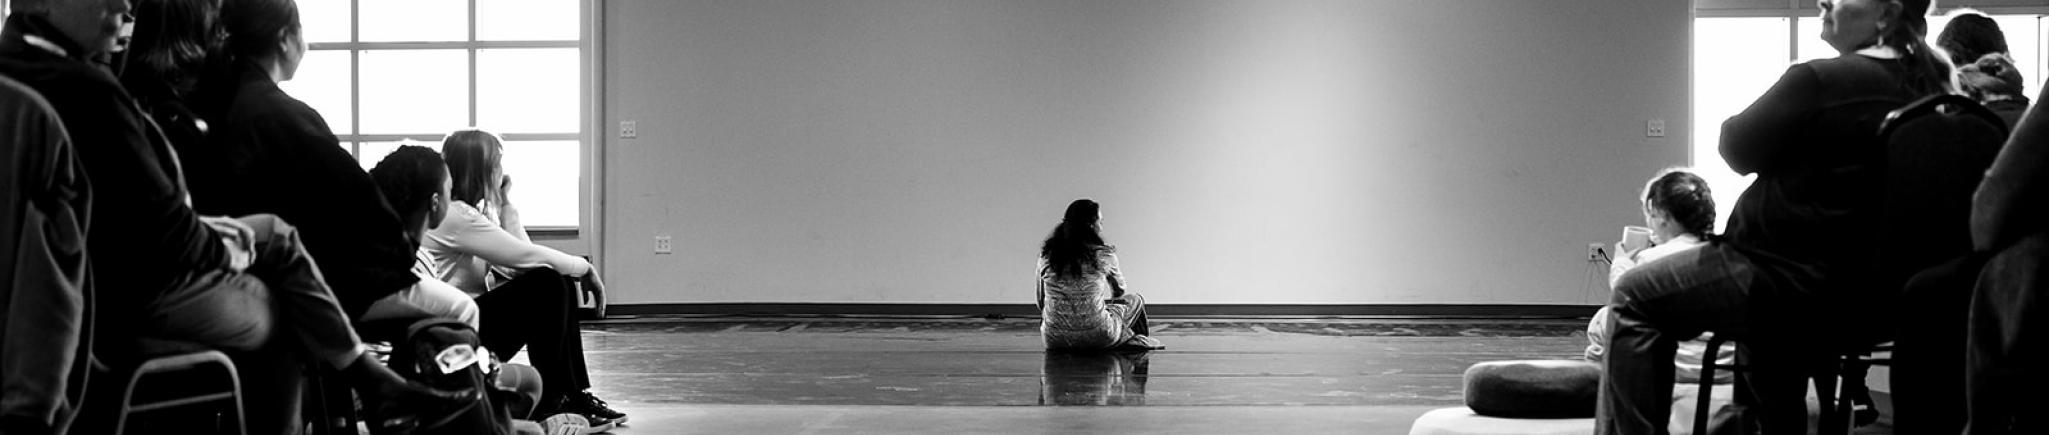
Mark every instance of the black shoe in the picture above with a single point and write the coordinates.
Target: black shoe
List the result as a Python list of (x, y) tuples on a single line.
[(590, 406)]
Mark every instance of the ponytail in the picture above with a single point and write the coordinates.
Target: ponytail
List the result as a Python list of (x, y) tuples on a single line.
[(1928, 71)]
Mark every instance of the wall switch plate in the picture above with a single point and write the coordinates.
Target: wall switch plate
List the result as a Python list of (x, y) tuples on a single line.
[(663, 245), (1654, 128), (629, 129)]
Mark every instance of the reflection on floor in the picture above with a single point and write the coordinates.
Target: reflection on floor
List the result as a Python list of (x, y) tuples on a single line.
[(990, 376)]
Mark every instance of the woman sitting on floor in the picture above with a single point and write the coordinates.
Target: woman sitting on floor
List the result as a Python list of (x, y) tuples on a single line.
[(1680, 210), (481, 248), (1083, 297)]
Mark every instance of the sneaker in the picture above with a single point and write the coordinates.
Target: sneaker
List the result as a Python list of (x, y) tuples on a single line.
[(590, 406), (572, 424)]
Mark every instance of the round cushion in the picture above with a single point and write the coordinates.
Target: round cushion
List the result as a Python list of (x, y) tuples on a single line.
[(1533, 388), (1462, 421)]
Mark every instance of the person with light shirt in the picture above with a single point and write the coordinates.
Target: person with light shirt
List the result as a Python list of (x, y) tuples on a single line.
[(524, 290)]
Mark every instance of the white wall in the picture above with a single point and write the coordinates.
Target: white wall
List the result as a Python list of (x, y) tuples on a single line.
[(1246, 152)]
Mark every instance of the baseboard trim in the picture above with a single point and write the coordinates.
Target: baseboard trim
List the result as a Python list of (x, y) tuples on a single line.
[(1157, 310)]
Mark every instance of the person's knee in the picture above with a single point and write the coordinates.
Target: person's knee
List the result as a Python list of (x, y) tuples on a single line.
[(270, 228), (465, 309), (542, 273)]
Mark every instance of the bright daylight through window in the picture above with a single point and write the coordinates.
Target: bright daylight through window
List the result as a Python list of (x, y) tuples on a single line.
[(1735, 59), (384, 71)]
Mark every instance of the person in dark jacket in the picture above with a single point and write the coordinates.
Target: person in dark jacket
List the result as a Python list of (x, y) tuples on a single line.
[(1800, 241), (270, 153), (45, 284), (162, 270), (2007, 338)]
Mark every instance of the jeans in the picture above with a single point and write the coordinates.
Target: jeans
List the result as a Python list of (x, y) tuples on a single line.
[(1718, 287), (277, 313), (280, 299)]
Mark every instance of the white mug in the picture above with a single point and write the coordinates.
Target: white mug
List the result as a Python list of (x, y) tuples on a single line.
[(1635, 238)]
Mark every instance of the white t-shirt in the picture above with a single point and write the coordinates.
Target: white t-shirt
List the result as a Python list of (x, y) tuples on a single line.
[(468, 242)]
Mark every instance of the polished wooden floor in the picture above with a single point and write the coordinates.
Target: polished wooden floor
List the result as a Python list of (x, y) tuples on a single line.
[(889, 376)]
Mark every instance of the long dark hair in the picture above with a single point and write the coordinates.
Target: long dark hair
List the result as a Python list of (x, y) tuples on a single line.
[(1073, 246), (172, 41), (1684, 197), (473, 157), (1928, 71)]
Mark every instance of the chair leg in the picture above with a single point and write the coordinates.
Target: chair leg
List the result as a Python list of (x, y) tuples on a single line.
[(183, 362), (1825, 393), (1701, 411)]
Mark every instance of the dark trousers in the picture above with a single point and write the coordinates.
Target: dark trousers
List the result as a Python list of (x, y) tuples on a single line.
[(2009, 342), (1717, 287), (536, 311), (1928, 355)]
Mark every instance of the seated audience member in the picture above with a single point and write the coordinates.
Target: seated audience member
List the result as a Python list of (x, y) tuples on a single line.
[(45, 296), (1799, 244), (416, 181), (480, 247), (168, 50), (162, 270), (1084, 301), (270, 153), (1680, 211), (1985, 69), (2004, 378)]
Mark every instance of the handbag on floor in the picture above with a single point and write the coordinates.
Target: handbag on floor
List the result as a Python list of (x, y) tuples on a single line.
[(446, 354)]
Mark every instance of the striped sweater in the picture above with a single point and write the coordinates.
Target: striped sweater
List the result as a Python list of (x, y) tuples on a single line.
[(1072, 308)]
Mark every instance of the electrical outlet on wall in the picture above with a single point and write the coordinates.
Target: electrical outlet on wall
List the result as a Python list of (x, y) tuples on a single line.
[(1654, 128), (1597, 251), (663, 245), (629, 129)]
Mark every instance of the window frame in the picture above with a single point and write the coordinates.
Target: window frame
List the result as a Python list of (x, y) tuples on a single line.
[(588, 93)]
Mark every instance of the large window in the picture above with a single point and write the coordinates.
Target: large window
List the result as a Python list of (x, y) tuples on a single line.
[(388, 71), (1737, 57)]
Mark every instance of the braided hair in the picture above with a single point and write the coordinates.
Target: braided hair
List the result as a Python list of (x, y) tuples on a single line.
[(1684, 197)]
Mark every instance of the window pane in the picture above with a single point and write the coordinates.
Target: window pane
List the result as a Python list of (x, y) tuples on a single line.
[(1811, 45), (324, 20), (374, 152), (323, 82), (1735, 60), (2026, 51), (544, 181), (415, 91), (530, 90), (414, 20), (528, 20)]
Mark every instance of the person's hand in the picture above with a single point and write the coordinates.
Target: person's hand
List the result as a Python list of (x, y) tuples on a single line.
[(504, 190), (596, 286), (240, 240), (1623, 250)]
